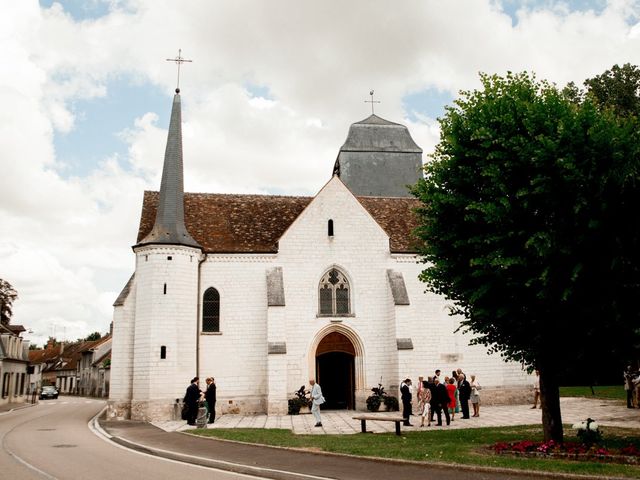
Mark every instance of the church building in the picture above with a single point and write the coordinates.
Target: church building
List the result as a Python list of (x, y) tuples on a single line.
[(264, 292)]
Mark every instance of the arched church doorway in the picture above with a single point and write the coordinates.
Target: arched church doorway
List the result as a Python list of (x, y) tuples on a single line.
[(335, 371)]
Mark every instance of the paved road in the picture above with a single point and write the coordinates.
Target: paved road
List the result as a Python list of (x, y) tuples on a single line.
[(53, 441)]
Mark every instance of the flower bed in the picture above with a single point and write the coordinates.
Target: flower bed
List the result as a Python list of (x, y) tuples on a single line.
[(570, 451)]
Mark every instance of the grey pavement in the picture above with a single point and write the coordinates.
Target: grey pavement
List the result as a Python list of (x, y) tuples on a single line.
[(171, 440)]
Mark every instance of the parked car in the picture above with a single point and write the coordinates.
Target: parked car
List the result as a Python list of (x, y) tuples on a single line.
[(48, 392)]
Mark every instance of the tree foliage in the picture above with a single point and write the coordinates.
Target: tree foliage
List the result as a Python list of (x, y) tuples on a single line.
[(8, 295), (617, 89), (93, 336), (528, 222)]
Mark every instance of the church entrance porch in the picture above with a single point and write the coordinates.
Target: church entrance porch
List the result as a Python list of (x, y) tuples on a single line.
[(335, 371)]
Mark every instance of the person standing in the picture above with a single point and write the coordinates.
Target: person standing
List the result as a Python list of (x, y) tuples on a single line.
[(316, 400), (441, 401), (210, 397), (475, 396), (405, 395), (452, 390), (536, 390), (191, 397), (464, 388), (424, 403), (420, 386)]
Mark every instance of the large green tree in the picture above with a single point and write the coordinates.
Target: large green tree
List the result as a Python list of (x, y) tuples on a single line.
[(617, 88), (529, 225), (8, 295)]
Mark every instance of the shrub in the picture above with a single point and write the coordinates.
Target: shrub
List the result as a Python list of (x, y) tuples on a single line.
[(373, 403), (294, 406), (391, 403)]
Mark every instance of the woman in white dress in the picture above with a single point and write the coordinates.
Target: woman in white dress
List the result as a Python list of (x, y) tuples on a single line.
[(475, 396)]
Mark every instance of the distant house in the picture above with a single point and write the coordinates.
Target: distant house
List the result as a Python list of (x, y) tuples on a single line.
[(46, 359), (94, 368), (80, 368), (14, 360)]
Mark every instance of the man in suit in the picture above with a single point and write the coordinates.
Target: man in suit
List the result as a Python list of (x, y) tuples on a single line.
[(441, 401), (405, 394), (316, 400), (210, 397), (191, 398), (464, 392)]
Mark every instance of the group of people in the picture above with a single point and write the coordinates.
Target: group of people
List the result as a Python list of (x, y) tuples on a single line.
[(194, 396), (441, 394)]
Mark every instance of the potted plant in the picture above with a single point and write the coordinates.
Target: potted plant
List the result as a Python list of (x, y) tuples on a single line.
[(391, 403), (299, 401)]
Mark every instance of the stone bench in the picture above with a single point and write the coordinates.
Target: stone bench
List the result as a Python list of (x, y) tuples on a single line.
[(363, 421)]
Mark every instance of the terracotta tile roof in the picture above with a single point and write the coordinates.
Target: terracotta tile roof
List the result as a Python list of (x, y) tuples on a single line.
[(44, 354), (224, 223), (396, 216)]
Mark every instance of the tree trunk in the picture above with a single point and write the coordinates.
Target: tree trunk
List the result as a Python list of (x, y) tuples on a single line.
[(550, 399)]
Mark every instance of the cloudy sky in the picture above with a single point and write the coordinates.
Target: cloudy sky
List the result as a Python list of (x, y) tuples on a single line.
[(267, 102)]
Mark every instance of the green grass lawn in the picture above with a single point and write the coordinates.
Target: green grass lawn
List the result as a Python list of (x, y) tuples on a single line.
[(469, 446), (615, 392)]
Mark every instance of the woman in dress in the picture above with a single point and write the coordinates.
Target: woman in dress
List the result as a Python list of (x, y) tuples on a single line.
[(424, 403), (475, 396), (452, 390)]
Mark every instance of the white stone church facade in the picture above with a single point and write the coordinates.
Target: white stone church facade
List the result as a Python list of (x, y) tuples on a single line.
[(265, 292)]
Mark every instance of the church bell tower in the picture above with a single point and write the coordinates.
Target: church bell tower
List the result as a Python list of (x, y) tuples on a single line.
[(166, 313)]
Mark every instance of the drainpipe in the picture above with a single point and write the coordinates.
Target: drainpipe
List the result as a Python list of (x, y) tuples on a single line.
[(201, 260)]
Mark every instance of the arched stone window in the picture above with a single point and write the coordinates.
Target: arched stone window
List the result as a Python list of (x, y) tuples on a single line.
[(211, 310), (334, 294)]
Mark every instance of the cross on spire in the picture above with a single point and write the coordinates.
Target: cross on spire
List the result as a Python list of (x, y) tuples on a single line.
[(372, 101), (179, 60)]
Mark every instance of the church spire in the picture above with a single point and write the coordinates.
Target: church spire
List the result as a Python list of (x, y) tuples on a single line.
[(169, 227)]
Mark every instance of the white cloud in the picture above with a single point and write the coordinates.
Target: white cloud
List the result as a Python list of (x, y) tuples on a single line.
[(66, 246)]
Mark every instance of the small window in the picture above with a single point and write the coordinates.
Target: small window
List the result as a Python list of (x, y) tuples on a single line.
[(169, 257), (334, 297), (163, 352), (165, 288), (330, 228), (211, 310)]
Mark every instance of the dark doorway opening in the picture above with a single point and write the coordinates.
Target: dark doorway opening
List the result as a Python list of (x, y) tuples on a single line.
[(335, 371)]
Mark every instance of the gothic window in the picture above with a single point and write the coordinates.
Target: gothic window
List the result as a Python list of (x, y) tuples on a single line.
[(211, 310), (334, 294)]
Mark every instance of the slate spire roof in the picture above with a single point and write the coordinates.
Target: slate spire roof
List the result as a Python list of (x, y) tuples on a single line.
[(375, 134), (169, 227), (379, 158)]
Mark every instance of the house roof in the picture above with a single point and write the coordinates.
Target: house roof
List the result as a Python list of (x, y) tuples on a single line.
[(224, 223), (125, 292), (44, 355), (106, 356)]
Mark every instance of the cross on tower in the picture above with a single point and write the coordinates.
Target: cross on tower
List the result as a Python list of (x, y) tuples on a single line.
[(179, 60), (372, 101)]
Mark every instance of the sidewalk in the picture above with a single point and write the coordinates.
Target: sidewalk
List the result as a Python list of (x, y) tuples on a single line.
[(340, 422), (8, 407), (168, 440)]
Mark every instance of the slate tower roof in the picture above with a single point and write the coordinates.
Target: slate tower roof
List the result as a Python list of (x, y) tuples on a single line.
[(169, 227), (379, 158)]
